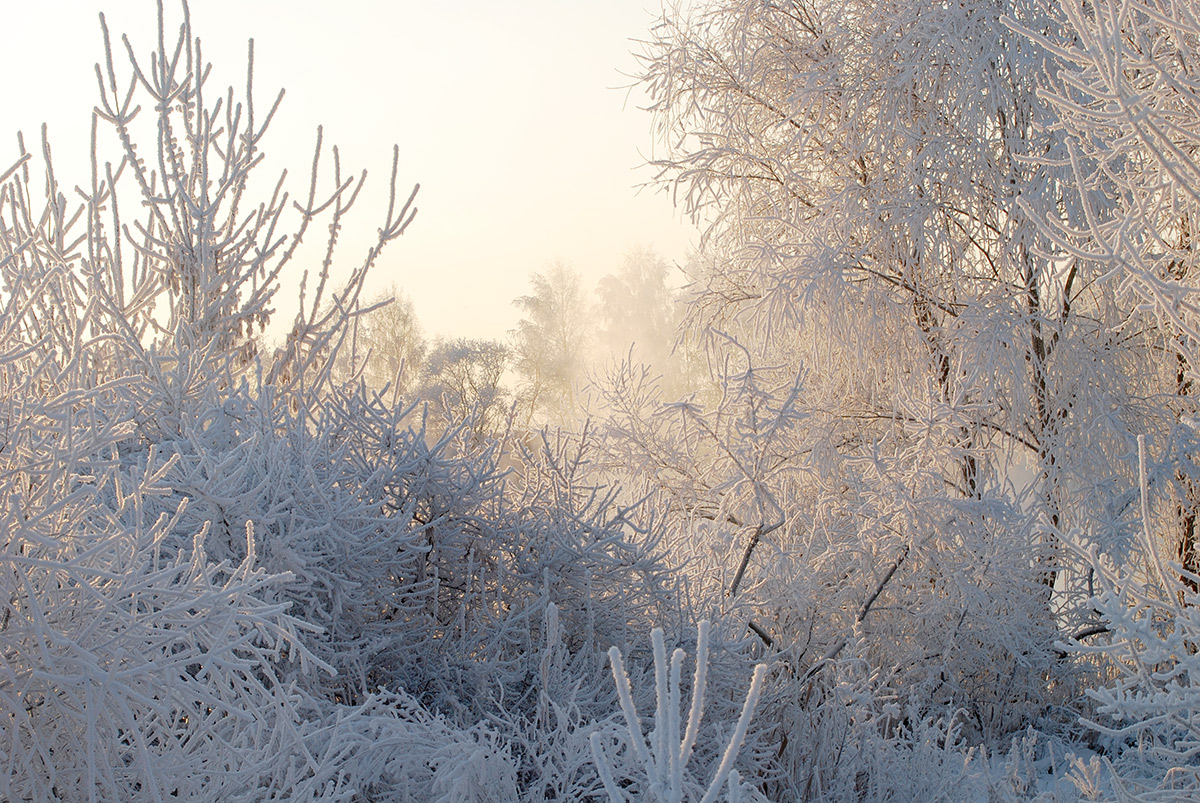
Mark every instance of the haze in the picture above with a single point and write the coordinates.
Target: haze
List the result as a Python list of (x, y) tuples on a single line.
[(511, 116)]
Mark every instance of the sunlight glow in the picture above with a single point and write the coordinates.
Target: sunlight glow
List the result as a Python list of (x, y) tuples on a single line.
[(511, 116)]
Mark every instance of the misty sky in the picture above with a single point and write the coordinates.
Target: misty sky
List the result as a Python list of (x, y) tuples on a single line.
[(508, 114)]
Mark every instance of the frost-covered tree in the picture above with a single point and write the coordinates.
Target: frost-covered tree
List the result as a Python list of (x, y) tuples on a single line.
[(464, 380), (387, 346), (551, 342), (639, 317), (922, 388), (1126, 98), (636, 308)]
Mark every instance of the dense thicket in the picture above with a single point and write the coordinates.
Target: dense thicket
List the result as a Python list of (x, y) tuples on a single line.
[(939, 487), (228, 576)]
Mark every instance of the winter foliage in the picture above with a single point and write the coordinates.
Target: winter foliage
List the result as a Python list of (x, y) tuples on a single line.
[(913, 469)]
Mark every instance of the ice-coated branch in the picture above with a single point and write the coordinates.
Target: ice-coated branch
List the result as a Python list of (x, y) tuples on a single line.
[(665, 760)]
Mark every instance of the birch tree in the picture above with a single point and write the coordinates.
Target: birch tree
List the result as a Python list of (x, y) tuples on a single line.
[(922, 388), (639, 317), (1127, 99)]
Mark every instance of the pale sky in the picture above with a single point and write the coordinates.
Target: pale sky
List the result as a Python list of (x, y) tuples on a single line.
[(509, 114)]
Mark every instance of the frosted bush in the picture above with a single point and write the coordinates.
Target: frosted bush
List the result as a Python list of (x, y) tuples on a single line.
[(389, 748), (149, 647), (660, 763), (127, 673), (1148, 709), (224, 574)]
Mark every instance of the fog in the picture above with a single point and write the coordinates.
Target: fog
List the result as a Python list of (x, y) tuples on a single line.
[(569, 337), (517, 119), (326, 486)]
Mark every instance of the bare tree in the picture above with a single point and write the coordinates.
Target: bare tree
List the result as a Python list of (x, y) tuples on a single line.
[(464, 379)]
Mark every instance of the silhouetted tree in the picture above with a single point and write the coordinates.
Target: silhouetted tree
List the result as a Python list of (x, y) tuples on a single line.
[(639, 317), (550, 342), (464, 381), (387, 346)]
